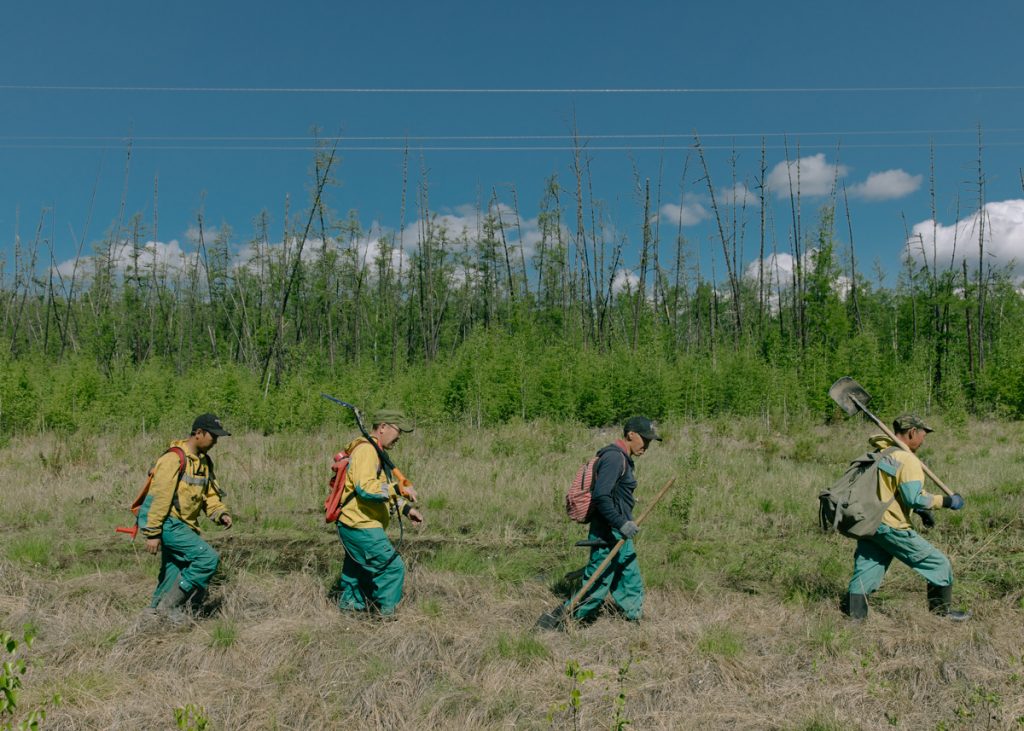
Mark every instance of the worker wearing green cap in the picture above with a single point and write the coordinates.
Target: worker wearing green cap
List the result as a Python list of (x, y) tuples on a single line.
[(373, 575)]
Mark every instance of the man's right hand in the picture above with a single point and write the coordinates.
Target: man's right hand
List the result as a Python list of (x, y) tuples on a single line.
[(153, 545), (954, 501)]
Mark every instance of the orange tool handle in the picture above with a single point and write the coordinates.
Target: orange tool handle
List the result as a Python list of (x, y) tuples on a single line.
[(133, 531), (403, 482)]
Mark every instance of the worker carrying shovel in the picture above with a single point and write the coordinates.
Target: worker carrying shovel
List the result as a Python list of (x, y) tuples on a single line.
[(903, 489), (612, 521)]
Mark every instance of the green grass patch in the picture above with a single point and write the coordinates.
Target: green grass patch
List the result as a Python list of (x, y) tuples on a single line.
[(721, 641), (224, 634), (31, 549), (431, 608), (525, 649)]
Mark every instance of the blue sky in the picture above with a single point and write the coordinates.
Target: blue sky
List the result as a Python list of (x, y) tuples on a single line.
[(211, 95)]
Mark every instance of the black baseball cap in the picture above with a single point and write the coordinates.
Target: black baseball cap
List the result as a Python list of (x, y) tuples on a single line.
[(210, 423), (642, 426)]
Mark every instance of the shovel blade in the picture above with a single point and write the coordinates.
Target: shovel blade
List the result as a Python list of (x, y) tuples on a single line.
[(553, 620), (847, 393)]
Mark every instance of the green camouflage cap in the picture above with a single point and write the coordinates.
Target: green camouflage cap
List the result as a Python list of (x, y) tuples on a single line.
[(906, 422), (395, 417)]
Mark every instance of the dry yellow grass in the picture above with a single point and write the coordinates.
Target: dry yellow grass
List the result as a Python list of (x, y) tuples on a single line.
[(741, 630)]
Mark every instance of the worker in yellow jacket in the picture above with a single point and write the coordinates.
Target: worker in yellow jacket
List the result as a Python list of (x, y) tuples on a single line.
[(373, 573), (169, 516)]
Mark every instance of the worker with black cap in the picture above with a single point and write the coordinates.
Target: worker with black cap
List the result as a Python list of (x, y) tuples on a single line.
[(183, 487), (611, 519)]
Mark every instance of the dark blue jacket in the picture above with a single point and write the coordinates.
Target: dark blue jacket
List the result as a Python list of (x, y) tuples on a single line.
[(612, 495)]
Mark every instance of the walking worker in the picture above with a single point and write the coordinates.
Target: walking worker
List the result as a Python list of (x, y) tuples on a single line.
[(183, 487), (612, 519), (903, 489), (373, 574)]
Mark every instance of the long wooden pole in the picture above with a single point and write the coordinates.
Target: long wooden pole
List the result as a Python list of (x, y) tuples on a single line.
[(615, 550)]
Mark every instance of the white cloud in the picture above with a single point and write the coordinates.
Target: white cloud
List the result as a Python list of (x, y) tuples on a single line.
[(165, 256), (1004, 237), (691, 212), (778, 270), (624, 280), (739, 195), (816, 176), (886, 185)]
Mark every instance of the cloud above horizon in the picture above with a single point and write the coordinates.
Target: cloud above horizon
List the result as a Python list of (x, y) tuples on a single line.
[(816, 176), (460, 223), (689, 213), (947, 245), (886, 185)]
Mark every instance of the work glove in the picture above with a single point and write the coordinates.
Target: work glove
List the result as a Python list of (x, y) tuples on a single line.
[(629, 529), (927, 519), (954, 501)]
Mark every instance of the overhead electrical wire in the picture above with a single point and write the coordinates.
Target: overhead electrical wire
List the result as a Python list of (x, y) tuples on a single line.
[(496, 148), (564, 136), (527, 90)]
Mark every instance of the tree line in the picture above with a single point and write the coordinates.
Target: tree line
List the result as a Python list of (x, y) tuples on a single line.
[(502, 330)]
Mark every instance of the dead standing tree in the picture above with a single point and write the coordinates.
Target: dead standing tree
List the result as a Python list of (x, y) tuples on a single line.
[(276, 341)]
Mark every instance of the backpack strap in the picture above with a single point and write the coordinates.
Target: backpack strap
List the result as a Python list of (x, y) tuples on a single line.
[(625, 459), (181, 473), (145, 488)]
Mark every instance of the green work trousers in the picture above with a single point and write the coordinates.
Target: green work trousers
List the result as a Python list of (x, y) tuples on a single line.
[(873, 556), (621, 578), (373, 572), (185, 559)]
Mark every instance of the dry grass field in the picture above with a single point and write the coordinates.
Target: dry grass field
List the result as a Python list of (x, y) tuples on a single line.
[(741, 631)]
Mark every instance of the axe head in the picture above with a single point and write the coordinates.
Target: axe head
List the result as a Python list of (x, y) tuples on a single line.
[(848, 393)]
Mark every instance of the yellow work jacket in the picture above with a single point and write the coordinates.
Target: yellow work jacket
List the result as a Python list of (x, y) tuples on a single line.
[(905, 484), (196, 492), (369, 490)]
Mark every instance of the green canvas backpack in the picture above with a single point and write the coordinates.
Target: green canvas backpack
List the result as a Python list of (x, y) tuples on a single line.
[(852, 506)]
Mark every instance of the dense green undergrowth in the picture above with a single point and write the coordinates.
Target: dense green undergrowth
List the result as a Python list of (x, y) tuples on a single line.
[(493, 378)]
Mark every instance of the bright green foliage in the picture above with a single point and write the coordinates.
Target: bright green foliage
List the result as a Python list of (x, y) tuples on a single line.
[(574, 706), (191, 718), (11, 674)]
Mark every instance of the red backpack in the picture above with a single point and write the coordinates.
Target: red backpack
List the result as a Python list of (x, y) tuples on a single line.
[(577, 500), (333, 504), (135, 506)]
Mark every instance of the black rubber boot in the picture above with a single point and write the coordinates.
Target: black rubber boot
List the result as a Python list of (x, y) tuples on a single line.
[(940, 601), (171, 603), (855, 606)]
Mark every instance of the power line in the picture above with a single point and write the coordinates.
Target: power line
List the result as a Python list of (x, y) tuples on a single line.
[(456, 90), (497, 148), (564, 136)]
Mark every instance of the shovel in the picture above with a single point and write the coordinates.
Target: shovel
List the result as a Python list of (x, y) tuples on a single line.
[(852, 398), (555, 618)]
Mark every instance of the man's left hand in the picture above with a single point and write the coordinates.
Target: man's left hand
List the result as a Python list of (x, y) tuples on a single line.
[(415, 516), (225, 520), (409, 493), (927, 519)]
